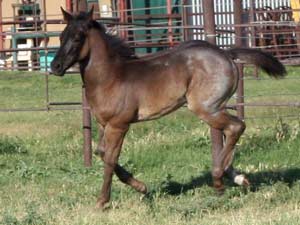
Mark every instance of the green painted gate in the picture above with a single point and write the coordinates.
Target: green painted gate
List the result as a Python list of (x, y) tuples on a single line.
[(152, 35)]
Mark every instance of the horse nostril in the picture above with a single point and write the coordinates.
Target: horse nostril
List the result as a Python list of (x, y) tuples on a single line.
[(57, 66)]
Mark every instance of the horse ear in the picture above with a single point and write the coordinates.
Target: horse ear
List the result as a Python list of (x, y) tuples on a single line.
[(67, 16), (90, 13)]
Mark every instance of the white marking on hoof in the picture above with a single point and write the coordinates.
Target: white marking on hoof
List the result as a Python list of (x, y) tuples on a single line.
[(239, 179)]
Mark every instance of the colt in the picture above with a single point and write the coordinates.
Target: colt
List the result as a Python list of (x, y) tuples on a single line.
[(122, 89)]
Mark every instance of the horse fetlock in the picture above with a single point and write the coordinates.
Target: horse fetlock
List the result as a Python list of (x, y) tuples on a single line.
[(219, 186), (241, 180), (217, 173)]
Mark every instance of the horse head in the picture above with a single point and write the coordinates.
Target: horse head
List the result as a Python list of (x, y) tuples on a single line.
[(72, 41)]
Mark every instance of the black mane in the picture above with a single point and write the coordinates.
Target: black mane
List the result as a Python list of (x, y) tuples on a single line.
[(117, 45)]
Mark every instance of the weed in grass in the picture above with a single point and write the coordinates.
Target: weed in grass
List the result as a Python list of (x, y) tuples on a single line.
[(12, 145), (9, 219), (282, 130), (32, 216), (27, 171), (295, 131)]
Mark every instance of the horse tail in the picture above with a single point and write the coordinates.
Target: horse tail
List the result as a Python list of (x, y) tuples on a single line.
[(267, 62)]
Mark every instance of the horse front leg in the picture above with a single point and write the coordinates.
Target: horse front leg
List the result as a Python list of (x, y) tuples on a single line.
[(123, 175), (113, 139)]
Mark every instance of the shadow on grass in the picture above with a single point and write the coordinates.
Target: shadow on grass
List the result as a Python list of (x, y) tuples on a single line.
[(268, 178), (171, 187), (257, 180)]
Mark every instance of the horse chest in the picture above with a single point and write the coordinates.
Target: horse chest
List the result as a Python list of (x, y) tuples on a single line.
[(110, 106), (100, 106)]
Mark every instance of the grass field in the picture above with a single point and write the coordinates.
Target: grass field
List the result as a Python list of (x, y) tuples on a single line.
[(43, 180)]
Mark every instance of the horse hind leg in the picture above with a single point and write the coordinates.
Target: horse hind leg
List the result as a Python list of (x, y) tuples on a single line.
[(232, 127)]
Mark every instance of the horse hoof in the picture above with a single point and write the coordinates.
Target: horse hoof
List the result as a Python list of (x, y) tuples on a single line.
[(100, 205), (220, 191), (139, 186), (241, 180), (142, 189), (246, 183)]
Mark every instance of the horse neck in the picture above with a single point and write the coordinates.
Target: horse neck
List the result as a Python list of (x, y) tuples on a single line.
[(100, 66)]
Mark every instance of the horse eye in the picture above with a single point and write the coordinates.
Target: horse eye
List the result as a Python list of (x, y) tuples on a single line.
[(77, 38)]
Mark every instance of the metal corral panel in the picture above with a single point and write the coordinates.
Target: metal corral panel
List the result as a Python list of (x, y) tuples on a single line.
[(224, 14), (141, 8), (266, 3)]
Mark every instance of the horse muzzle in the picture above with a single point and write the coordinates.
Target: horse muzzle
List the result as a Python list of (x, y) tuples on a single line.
[(57, 68)]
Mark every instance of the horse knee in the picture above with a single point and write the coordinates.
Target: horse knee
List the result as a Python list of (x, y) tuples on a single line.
[(235, 130)]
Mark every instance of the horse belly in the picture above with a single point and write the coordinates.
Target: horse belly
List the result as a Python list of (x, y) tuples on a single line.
[(154, 111)]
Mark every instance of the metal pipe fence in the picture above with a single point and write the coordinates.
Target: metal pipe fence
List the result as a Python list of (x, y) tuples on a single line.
[(233, 27)]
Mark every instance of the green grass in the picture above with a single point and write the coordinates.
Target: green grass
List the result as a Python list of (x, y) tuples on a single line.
[(43, 180)]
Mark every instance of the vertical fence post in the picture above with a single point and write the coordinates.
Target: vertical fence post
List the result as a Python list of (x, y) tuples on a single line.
[(238, 43), (252, 31), (87, 130), (170, 30), (46, 56), (122, 15), (82, 5), (237, 10), (209, 21), (210, 35), (86, 114), (1, 28), (185, 21), (240, 93), (69, 5), (251, 20)]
